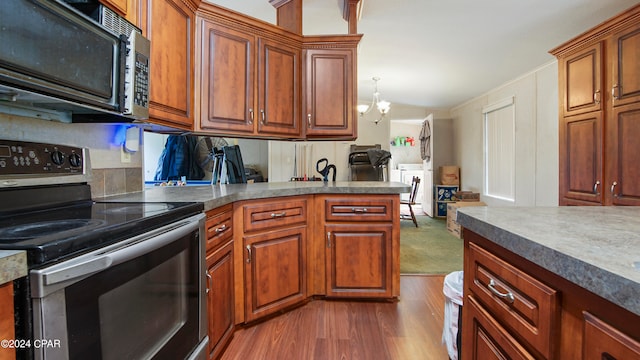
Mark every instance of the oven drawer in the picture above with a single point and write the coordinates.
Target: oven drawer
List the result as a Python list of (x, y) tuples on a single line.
[(272, 214), (516, 300), (358, 209), (219, 226)]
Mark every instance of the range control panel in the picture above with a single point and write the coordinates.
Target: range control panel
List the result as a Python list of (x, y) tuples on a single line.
[(28, 158)]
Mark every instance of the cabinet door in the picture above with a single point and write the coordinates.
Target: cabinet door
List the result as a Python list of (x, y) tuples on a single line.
[(602, 341), (359, 260), (220, 299), (580, 158), (169, 24), (486, 339), (278, 89), (581, 76), (625, 53), (227, 79), (274, 271), (623, 156), (329, 94)]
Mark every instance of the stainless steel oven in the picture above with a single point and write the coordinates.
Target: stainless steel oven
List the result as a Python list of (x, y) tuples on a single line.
[(107, 280), (140, 298)]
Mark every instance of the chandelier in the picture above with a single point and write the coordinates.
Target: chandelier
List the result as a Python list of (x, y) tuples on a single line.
[(382, 106)]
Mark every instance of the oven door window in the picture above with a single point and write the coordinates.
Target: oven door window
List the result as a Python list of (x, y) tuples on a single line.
[(141, 309)]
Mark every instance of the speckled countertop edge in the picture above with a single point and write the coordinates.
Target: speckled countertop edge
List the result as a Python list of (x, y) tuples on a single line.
[(592, 247), (13, 265), (217, 195)]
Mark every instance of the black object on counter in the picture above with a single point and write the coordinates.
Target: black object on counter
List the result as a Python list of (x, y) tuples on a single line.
[(325, 171)]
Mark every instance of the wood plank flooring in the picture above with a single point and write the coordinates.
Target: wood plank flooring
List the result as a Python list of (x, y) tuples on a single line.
[(408, 329)]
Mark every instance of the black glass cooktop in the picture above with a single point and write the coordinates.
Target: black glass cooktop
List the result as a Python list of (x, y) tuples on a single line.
[(60, 232)]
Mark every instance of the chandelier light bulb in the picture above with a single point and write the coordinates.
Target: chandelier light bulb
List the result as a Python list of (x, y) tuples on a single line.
[(382, 105)]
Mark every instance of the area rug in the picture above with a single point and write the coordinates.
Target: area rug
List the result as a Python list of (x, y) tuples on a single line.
[(429, 248)]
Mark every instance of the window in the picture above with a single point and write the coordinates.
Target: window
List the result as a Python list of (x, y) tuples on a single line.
[(499, 149)]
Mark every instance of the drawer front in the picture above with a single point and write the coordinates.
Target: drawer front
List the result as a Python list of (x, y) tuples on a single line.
[(489, 340), (603, 341), (219, 227), (519, 302), (364, 209), (270, 215)]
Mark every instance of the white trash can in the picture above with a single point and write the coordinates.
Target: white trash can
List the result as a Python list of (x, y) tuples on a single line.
[(452, 306)]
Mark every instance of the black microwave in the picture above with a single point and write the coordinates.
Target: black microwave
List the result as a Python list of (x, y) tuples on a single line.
[(54, 57)]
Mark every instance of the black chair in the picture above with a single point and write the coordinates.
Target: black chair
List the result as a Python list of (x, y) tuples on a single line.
[(415, 184)]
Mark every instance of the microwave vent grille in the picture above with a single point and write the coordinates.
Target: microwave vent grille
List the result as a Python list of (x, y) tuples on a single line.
[(116, 23)]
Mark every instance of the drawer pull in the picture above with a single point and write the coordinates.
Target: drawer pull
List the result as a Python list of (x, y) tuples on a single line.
[(359, 210), (278, 215), (508, 296), (221, 228)]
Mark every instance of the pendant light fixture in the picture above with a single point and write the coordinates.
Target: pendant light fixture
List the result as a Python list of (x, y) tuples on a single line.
[(382, 105)]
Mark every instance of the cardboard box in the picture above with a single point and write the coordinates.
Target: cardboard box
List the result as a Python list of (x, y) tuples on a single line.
[(449, 175), (452, 208), (467, 196)]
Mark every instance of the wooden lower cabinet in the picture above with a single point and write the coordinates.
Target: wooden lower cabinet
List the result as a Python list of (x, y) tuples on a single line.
[(604, 342), (274, 271), (7, 327), (359, 258), (220, 299), (527, 312)]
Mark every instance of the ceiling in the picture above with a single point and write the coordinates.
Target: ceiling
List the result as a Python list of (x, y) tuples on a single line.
[(439, 54)]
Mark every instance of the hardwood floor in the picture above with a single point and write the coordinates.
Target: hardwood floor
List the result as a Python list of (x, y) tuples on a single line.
[(410, 328)]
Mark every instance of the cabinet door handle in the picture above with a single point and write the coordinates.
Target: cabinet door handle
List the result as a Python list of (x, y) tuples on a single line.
[(248, 254), (359, 210), (328, 239), (615, 92), (309, 119), (596, 97), (264, 116), (508, 296), (208, 282), (595, 187), (221, 228), (250, 116), (613, 189), (278, 215)]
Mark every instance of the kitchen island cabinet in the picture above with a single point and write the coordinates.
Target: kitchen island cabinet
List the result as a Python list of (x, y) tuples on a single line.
[(599, 82), (537, 288), (13, 265)]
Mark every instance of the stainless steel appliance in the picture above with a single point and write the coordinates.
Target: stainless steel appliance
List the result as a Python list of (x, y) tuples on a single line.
[(107, 280), (57, 59), (361, 166)]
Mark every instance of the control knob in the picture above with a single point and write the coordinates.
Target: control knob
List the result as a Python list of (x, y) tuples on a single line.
[(57, 157), (75, 160)]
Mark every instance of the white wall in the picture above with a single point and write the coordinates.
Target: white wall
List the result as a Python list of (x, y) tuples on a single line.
[(536, 138)]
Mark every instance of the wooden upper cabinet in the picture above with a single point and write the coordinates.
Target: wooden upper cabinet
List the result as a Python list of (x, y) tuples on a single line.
[(625, 50), (582, 81), (581, 166), (329, 87), (599, 101), (169, 25), (278, 89), (249, 83), (623, 156), (227, 73)]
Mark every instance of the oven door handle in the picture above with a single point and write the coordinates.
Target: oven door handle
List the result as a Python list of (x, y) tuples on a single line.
[(118, 253)]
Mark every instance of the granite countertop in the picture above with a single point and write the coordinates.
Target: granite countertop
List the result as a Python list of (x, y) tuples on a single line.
[(214, 196), (13, 265), (595, 247)]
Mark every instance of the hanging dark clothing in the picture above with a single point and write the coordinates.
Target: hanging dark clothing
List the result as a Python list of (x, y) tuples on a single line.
[(425, 141), (179, 158)]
